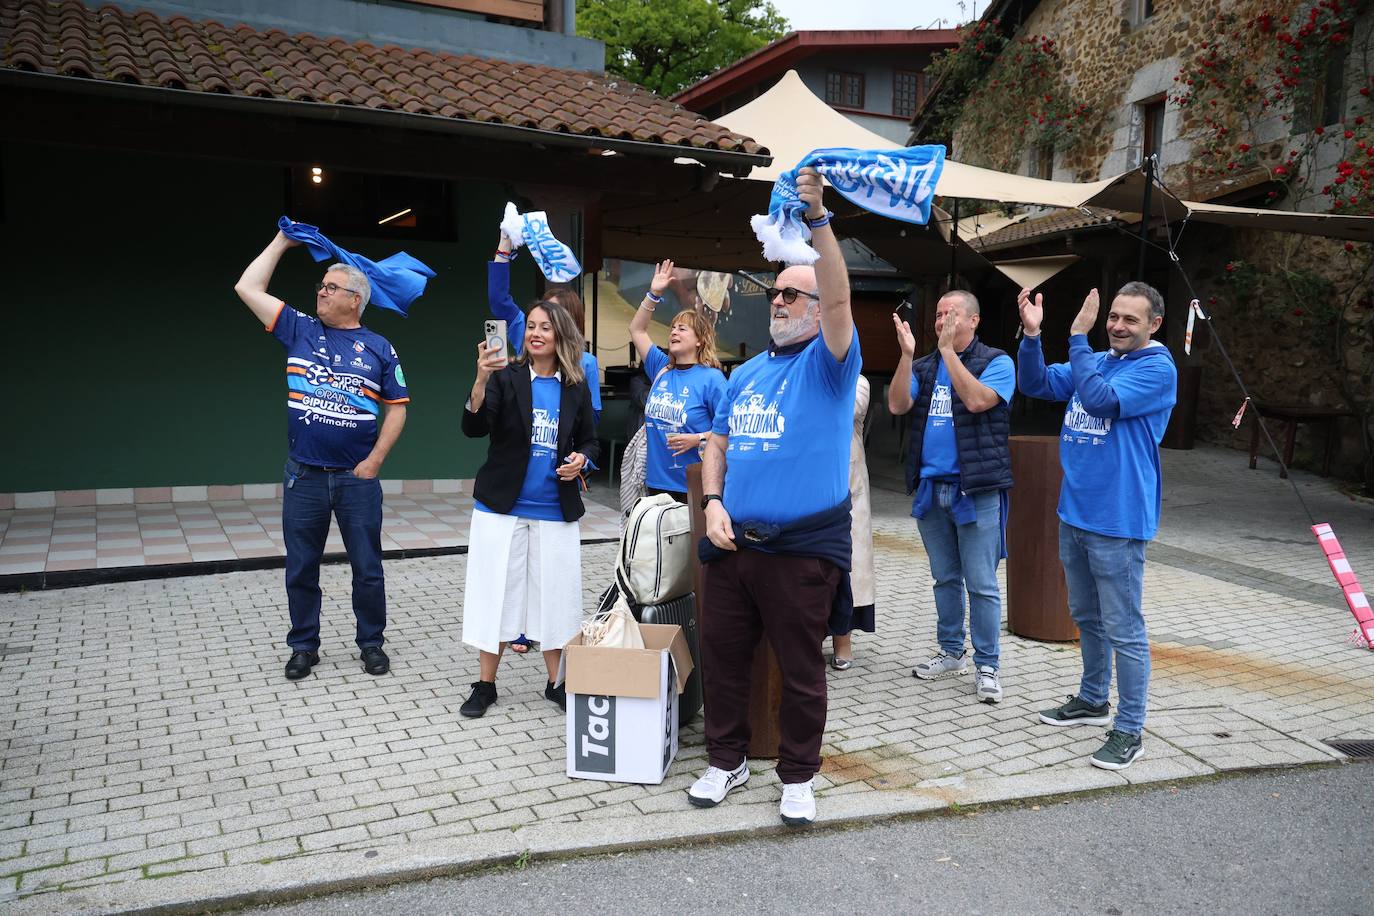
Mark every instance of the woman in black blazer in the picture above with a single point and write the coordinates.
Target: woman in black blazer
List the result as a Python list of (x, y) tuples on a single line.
[(524, 567)]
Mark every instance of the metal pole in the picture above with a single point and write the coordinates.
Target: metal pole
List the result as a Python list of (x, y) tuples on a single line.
[(953, 243), (596, 298), (1145, 214)]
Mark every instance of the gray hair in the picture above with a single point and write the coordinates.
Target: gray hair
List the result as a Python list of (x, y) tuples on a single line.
[(970, 301), (1148, 293), (356, 280)]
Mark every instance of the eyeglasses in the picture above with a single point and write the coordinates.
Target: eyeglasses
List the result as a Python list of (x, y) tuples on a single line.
[(332, 288), (789, 295)]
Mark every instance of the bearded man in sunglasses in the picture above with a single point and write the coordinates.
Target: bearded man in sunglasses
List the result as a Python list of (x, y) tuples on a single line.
[(338, 376), (776, 485)]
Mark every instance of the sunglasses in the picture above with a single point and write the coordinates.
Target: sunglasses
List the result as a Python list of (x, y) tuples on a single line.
[(789, 294)]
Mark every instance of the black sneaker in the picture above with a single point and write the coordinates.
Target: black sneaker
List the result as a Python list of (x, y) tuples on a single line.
[(1119, 751), (483, 695), (557, 695), (1077, 712), (300, 663), (375, 660)]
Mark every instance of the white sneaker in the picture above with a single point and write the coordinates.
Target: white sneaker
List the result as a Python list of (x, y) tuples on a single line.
[(989, 687), (715, 784), (798, 803), (942, 665)]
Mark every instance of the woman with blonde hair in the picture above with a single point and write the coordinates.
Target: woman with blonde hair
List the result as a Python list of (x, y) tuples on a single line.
[(524, 564), (687, 387)]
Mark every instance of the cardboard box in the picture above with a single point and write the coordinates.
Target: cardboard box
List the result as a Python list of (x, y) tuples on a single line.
[(622, 706)]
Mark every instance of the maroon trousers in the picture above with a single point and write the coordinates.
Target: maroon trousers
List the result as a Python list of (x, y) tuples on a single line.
[(747, 594)]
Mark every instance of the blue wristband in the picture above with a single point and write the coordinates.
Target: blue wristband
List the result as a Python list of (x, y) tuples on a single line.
[(652, 298), (822, 220)]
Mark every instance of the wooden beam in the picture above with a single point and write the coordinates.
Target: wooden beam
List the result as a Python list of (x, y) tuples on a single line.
[(524, 10)]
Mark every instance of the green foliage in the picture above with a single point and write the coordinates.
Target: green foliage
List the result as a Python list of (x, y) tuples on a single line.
[(666, 45)]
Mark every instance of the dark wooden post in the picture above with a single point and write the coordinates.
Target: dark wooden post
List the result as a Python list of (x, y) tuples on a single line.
[(1037, 596)]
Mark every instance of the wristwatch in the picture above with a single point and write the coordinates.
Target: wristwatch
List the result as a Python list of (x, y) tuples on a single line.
[(708, 497)]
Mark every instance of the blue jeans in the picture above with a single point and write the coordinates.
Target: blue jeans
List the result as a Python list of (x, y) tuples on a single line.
[(1106, 578), (965, 557), (309, 497)]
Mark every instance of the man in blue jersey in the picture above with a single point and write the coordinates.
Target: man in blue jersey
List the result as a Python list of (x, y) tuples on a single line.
[(959, 466), (1119, 403), (343, 381), (776, 498)]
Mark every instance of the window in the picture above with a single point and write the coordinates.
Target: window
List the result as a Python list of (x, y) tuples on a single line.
[(1328, 97), (371, 206), (1152, 130), (844, 89), (1137, 11), (908, 91), (1042, 161)]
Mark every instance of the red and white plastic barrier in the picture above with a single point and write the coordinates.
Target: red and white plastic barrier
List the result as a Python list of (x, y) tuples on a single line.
[(1355, 596)]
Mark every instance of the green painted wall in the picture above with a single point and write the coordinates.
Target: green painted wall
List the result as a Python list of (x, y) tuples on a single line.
[(136, 365)]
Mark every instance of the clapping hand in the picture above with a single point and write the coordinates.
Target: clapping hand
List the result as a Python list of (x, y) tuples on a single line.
[(1032, 313), (1087, 315), (905, 339)]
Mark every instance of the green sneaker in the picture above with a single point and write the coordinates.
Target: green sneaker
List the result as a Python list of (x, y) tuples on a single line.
[(1119, 751), (1077, 712)]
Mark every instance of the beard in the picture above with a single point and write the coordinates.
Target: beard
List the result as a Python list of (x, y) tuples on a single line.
[(786, 331)]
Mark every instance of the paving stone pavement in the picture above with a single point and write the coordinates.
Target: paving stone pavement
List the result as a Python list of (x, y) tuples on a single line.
[(150, 734)]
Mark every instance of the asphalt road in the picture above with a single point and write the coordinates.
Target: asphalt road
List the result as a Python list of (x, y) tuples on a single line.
[(1273, 842)]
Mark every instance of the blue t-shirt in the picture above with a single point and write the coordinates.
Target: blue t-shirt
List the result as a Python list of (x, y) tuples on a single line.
[(1118, 410), (538, 497), (789, 418), (939, 451), (681, 401), (503, 306), (336, 382)]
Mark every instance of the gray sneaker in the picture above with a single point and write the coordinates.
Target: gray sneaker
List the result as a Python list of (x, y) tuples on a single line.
[(942, 665), (1076, 712), (989, 687), (1118, 752)]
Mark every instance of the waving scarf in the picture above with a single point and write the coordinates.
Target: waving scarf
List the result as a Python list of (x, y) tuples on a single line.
[(556, 261), (899, 183), (396, 281)]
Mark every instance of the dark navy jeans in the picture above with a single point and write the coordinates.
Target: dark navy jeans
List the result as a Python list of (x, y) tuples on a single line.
[(309, 497)]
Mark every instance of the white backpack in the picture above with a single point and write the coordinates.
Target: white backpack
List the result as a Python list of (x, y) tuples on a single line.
[(655, 561)]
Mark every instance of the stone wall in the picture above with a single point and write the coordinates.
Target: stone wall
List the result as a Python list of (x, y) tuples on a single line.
[(1115, 66)]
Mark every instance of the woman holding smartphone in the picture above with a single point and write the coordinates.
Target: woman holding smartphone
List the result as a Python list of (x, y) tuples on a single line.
[(687, 386), (524, 567)]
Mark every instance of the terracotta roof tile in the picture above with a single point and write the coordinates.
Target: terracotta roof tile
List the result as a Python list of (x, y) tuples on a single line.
[(1041, 227), (70, 39)]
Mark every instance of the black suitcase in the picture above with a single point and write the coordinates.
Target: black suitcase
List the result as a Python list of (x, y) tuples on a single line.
[(681, 612)]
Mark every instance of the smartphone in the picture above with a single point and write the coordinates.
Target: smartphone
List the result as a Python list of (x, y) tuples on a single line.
[(494, 332)]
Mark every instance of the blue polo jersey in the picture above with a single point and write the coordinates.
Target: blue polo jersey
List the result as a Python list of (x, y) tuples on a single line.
[(681, 401), (789, 414), (336, 381)]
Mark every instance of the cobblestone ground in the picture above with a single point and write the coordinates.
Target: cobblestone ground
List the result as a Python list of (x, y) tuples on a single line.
[(149, 731)]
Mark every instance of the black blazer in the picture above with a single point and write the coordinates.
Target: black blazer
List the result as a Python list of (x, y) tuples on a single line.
[(506, 416)]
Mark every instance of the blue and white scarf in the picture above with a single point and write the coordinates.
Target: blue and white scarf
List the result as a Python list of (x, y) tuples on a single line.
[(899, 183), (396, 281), (556, 260)]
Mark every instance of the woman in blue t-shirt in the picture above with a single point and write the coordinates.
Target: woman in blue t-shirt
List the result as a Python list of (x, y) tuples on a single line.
[(687, 388), (524, 564)]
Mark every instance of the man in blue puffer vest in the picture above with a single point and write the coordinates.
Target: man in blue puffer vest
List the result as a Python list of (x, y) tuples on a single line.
[(959, 467), (1119, 405)]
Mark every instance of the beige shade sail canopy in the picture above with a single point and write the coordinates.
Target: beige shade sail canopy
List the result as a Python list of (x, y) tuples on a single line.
[(1031, 272)]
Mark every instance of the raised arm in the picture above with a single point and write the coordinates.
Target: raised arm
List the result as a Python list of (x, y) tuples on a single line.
[(973, 394), (639, 324), (832, 277), (252, 286), (899, 392), (1033, 377), (498, 294)]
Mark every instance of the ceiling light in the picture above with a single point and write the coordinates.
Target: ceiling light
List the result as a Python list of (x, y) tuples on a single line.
[(317, 171), (388, 219)]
